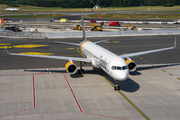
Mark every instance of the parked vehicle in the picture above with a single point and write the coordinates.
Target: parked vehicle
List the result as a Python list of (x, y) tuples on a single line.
[(164, 22), (78, 27), (22, 28), (177, 21), (93, 21), (131, 27), (95, 27), (114, 23)]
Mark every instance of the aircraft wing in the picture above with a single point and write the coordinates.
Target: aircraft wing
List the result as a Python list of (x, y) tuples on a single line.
[(147, 52), (54, 57)]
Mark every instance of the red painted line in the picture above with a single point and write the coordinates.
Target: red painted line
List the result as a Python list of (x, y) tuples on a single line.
[(27, 74), (73, 93), (34, 92), (16, 112), (28, 108), (104, 116), (80, 106)]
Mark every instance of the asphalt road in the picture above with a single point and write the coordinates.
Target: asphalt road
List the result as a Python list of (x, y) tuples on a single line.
[(118, 45)]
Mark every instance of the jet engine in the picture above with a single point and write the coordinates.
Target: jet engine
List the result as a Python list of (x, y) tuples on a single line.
[(132, 65), (71, 68)]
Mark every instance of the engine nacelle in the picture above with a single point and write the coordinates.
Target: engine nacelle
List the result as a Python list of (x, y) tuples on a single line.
[(132, 65), (71, 68)]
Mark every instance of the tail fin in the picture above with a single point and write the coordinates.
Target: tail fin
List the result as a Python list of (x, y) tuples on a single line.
[(83, 27)]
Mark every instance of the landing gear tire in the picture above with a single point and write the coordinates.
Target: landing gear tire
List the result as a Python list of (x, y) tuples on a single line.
[(81, 71), (116, 88)]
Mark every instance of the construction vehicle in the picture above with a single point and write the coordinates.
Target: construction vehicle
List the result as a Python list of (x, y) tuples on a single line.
[(95, 27), (131, 27), (36, 31), (78, 27)]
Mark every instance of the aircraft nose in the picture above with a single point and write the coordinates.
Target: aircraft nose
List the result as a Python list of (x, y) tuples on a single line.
[(122, 75)]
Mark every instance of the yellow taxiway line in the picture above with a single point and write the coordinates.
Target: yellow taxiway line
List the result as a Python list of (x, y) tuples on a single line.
[(122, 94), (36, 53)]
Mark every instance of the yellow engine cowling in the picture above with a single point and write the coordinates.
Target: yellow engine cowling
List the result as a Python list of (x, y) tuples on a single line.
[(71, 68), (131, 65)]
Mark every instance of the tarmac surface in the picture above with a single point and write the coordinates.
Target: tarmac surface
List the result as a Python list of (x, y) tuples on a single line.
[(118, 45), (30, 91)]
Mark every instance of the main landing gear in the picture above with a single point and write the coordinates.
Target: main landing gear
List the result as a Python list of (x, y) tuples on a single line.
[(116, 87), (81, 71)]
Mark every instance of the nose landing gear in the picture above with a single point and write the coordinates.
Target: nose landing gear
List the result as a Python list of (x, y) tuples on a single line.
[(116, 87)]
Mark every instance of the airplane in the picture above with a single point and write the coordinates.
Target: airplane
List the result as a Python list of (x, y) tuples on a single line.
[(117, 66), (12, 9)]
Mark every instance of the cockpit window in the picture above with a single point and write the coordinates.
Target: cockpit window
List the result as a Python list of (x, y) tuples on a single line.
[(119, 68), (125, 67), (113, 67)]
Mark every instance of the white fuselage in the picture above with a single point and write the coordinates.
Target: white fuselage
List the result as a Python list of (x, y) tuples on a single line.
[(12, 9), (102, 58)]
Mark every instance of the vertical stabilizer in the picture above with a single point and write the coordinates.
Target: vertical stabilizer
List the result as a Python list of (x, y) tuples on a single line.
[(83, 27)]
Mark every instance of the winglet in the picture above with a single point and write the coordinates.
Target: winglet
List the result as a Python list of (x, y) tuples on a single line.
[(83, 27), (174, 43)]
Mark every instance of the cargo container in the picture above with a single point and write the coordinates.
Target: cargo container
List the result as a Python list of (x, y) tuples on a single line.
[(114, 23)]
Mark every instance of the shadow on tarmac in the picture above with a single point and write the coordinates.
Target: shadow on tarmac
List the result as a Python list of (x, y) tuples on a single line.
[(127, 85)]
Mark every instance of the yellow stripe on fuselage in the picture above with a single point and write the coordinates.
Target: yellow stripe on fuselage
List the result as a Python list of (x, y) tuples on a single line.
[(83, 44)]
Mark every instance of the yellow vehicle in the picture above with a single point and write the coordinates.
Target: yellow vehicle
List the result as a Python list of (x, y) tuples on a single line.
[(64, 20), (95, 27), (131, 27), (78, 27)]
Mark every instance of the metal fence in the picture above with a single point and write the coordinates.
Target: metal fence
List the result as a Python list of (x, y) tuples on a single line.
[(22, 34), (114, 33), (91, 34)]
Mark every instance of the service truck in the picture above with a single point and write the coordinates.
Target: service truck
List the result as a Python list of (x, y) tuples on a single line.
[(114, 23)]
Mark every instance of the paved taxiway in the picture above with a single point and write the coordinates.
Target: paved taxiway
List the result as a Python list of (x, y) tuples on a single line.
[(118, 45), (150, 93)]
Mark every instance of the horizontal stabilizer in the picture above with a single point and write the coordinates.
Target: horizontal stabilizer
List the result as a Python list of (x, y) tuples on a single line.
[(101, 41), (67, 43)]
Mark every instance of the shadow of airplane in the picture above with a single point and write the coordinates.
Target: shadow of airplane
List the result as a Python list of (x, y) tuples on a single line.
[(127, 85)]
